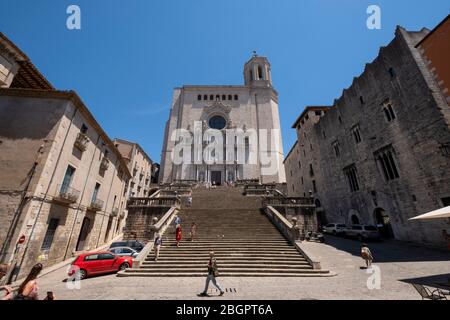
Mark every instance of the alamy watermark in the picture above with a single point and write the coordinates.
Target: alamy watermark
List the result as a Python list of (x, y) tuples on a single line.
[(73, 21), (374, 20), (229, 146), (374, 281)]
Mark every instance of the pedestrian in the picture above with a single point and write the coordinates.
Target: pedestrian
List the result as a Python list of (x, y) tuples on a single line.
[(158, 244), (189, 200), (176, 222), (8, 290), (366, 255), (193, 231), (178, 235), (212, 274), (29, 289)]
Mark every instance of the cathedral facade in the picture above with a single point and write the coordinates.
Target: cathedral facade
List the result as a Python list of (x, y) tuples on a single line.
[(226, 133)]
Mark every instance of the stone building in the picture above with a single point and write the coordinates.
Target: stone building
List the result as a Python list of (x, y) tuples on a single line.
[(381, 154), (249, 108), (62, 180), (144, 170)]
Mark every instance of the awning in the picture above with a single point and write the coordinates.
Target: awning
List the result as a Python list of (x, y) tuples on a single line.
[(437, 214)]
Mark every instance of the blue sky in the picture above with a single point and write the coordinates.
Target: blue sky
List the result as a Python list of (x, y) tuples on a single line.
[(129, 55)]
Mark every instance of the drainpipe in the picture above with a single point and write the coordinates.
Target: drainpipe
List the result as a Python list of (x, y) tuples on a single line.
[(46, 194), (81, 199)]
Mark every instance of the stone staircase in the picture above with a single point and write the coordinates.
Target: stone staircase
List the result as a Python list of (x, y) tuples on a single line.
[(245, 242)]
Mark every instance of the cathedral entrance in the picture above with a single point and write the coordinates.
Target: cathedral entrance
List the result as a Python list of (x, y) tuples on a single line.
[(216, 177)]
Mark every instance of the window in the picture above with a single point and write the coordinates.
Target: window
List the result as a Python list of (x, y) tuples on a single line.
[(291, 173), (311, 170), (96, 190), (307, 117), (324, 135), (211, 97), (352, 177), (314, 186), (318, 113), (230, 97), (260, 73), (236, 97), (303, 181), (445, 149), (217, 122), (83, 129), (106, 256), (199, 97), (337, 150), (224, 97), (91, 257), (217, 97), (361, 100), (386, 162), (67, 179), (299, 164), (392, 72), (340, 119), (205, 97), (356, 134), (389, 111), (50, 234)]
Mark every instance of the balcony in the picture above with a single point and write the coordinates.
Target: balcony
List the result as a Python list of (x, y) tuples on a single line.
[(104, 165), (81, 142), (96, 205), (67, 194), (122, 214)]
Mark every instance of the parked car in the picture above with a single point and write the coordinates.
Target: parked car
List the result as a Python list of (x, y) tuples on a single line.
[(94, 263), (334, 228), (133, 244), (124, 251), (362, 232)]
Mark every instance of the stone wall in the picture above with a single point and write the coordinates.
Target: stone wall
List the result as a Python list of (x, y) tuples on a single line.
[(397, 77)]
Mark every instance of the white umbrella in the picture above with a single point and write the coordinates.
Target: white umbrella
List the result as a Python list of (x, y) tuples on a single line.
[(437, 214)]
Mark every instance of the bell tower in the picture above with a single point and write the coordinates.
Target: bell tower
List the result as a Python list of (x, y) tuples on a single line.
[(257, 72)]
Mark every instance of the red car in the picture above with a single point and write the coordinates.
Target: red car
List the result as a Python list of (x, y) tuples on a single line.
[(93, 263)]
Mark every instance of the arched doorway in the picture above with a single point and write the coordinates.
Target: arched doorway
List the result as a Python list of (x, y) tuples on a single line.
[(383, 223), (84, 232), (354, 218)]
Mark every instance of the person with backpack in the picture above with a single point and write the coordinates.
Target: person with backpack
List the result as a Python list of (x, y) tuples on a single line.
[(212, 274)]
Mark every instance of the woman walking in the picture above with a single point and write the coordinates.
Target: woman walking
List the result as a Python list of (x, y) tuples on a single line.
[(178, 235), (28, 290), (366, 255), (193, 231)]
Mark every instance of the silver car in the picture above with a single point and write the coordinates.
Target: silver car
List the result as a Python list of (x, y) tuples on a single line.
[(362, 232), (124, 251)]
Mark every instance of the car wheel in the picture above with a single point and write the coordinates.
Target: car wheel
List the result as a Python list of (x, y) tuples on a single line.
[(82, 274), (124, 266)]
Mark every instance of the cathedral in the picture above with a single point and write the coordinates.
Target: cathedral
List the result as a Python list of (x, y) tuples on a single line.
[(225, 133)]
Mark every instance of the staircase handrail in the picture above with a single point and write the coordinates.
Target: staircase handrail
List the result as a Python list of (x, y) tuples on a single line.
[(160, 227)]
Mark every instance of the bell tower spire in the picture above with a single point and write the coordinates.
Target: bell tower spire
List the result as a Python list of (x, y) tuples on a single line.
[(257, 72)]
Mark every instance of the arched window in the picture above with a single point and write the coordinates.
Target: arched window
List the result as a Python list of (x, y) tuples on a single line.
[(236, 97), (251, 75), (211, 97), (230, 97), (224, 97), (217, 97), (205, 97), (260, 73), (199, 97)]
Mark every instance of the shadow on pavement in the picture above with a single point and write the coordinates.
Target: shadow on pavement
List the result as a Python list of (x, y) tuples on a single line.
[(435, 281), (389, 250)]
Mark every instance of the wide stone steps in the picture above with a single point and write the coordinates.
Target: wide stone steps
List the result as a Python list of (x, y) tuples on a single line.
[(245, 242)]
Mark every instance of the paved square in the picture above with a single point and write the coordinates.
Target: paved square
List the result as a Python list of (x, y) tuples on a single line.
[(399, 263)]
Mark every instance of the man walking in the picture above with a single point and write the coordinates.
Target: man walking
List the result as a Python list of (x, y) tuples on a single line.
[(366, 255), (158, 243), (212, 274)]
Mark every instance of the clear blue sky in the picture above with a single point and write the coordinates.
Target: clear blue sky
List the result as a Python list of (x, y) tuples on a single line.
[(129, 55)]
